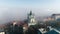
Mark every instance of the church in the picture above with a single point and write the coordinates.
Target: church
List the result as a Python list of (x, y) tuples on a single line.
[(31, 19)]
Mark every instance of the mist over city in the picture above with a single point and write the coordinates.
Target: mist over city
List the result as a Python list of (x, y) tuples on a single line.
[(17, 9), (29, 16)]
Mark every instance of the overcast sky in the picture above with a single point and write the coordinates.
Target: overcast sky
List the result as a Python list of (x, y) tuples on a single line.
[(18, 9)]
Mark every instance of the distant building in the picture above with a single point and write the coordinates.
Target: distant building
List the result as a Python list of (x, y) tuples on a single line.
[(49, 19), (56, 16), (53, 17)]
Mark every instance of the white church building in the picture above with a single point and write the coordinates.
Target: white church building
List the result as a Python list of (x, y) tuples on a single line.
[(31, 19)]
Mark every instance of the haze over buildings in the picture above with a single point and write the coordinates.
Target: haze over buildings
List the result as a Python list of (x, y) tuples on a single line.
[(18, 9)]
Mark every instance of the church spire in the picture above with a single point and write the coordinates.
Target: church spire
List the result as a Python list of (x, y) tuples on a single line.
[(30, 12)]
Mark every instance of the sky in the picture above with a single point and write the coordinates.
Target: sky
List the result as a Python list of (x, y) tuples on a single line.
[(18, 9)]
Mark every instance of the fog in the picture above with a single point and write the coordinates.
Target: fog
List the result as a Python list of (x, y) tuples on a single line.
[(18, 9), (11, 14)]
